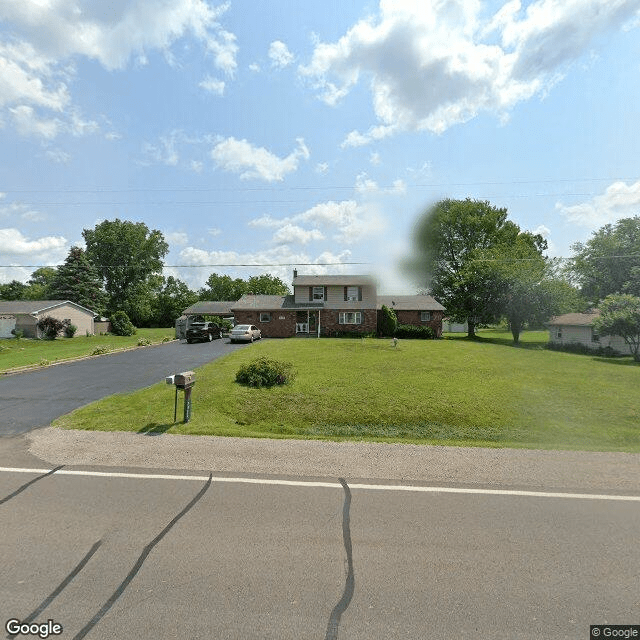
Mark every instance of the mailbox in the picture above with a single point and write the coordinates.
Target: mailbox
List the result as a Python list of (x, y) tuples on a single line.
[(185, 379)]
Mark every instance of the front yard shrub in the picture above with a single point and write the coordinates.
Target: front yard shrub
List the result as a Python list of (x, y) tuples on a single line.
[(223, 323), (265, 372), (411, 331), (167, 339), (18, 333), (98, 351), (582, 349), (388, 321), (121, 325), (70, 331), (52, 327), (144, 342)]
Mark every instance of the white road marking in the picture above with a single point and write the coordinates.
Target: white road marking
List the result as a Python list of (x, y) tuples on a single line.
[(331, 485)]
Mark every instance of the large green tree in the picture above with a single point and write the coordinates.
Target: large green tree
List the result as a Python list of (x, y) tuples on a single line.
[(129, 257), (620, 316), (451, 242), (174, 297), (14, 290), (39, 284), (607, 262), (223, 287), (79, 281)]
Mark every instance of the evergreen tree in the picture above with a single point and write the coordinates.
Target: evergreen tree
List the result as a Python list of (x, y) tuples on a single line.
[(78, 280)]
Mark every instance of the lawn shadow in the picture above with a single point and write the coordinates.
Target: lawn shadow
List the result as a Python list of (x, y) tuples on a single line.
[(503, 342), (155, 429), (625, 361)]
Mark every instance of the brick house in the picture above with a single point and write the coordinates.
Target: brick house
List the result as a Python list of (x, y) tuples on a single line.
[(319, 306), (418, 310)]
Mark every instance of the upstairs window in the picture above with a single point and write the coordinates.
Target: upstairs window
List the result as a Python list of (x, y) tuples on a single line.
[(318, 294), (352, 294)]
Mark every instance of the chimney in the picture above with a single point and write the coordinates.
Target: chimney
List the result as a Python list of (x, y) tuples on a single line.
[(295, 273)]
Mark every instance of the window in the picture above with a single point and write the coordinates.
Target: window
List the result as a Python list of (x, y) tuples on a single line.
[(559, 334), (595, 337), (318, 293), (425, 316), (352, 294), (350, 317), (265, 316)]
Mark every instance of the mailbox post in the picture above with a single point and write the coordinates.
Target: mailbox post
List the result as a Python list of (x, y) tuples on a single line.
[(185, 381)]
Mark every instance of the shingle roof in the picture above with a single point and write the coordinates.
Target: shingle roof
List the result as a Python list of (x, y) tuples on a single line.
[(318, 281), (210, 308), (273, 302), (410, 303), (35, 306), (575, 319)]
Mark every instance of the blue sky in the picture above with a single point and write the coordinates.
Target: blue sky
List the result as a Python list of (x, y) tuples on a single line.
[(289, 133)]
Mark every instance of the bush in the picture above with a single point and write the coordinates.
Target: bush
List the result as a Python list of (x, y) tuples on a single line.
[(167, 339), (121, 325), (265, 372), (18, 333), (582, 349), (98, 351), (353, 334), (411, 331), (388, 321), (70, 330), (52, 327), (144, 342), (223, 323)]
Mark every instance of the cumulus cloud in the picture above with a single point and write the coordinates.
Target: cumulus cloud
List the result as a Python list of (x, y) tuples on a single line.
[(242, 157), (212, 85), (16, 246), (290, 233), (432, 65), (619, 200), (37, 59), (280, 55), (177, 237)]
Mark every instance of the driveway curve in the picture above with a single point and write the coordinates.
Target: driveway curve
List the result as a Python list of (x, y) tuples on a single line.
[(34, 399)]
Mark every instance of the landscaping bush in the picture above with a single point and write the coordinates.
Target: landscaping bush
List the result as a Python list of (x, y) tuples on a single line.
[(388, 321), (144, 342), (223, 323), (98, 351), (52, 327), (18, 333), (121, 325), (411, 331), (70, 330), (353, 334), (167, 339), (265, 372), (582, 349)]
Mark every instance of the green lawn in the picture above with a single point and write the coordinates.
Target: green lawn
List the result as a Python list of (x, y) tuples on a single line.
[(24, 352), (452, 391)]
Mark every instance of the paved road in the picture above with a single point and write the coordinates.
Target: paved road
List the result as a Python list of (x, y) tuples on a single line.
[(35, 399), (121, 557)]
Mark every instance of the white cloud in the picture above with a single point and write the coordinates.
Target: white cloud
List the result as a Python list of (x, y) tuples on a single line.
[(58, 156), (365, 185), (280, 55), (255, 67), (27, 123), (196, 166), (290, 233), (619, 200), (214, 231), (240, 156), (374, 158), (165, 150), (212, 85), (177, 237), (14, 243), (431, 65), (322, 168)]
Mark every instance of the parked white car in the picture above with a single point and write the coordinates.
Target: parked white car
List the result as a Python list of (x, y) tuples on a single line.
[(245, 333)]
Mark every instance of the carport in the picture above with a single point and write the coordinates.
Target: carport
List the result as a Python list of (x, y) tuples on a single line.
[(199, 310)]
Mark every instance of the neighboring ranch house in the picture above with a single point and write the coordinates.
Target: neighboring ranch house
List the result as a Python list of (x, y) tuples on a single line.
[(418, 310), (24, 315), (577, 329)]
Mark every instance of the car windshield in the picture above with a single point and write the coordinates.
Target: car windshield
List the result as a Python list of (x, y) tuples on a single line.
[(242, 327)]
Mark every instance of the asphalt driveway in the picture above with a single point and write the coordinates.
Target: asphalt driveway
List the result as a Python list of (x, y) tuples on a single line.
[(32, 400)]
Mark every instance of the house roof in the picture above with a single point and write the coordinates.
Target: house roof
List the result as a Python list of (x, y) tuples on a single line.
[(210, 308), (270, 303), (575, 319), (36, 306), (410, 303), (319, 281)]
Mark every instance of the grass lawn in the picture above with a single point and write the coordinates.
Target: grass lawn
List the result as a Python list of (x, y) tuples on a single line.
[(24, 352), (452, 391)]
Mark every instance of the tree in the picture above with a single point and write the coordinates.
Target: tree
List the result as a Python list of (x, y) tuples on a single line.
[(52, 327), (15, 290), (39, 284), (127, 255), (222, 287), (121, 325), (605, 263), (620, 316), (174, 297), (449, 242), (267, 285), (79, 281)]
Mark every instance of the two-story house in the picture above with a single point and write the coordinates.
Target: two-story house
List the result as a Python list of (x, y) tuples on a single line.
[(320, 305)]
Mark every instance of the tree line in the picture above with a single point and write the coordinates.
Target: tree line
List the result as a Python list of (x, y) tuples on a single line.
[(483, 268), (121, 270)]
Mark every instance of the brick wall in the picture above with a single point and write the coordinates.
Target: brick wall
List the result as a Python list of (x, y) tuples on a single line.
[(275, 328), (330, 322)]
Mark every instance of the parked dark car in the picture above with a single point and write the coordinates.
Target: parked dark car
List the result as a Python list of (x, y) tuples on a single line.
[(203, 332)]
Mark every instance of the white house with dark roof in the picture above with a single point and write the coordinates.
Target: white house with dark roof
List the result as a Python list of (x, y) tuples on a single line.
[(24, 315)]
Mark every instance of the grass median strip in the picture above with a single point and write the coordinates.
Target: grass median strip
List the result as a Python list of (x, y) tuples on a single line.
[(453, 392), (27, 352)]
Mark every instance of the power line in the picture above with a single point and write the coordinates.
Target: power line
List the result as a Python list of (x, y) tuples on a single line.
[(198, 266)]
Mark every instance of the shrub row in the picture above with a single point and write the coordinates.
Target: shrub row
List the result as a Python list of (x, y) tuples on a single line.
[(411, 331)]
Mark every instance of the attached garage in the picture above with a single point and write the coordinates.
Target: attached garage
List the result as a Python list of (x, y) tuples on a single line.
[(25, 315)]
